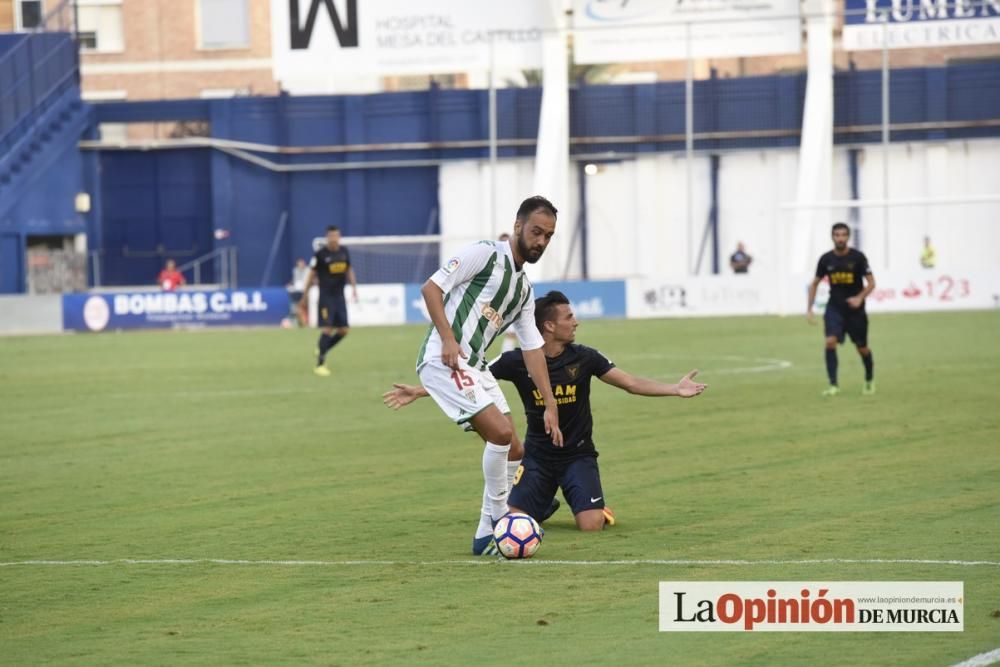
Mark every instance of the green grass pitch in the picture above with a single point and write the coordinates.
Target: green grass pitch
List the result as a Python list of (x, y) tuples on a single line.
[(223, 445)]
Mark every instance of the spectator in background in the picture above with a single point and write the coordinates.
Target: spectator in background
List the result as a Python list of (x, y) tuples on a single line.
[(296, 288), (299, 274), (170, 278), (928, 257), (739, 261)]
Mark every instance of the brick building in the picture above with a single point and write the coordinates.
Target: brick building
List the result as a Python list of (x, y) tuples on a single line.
[(164, 49)]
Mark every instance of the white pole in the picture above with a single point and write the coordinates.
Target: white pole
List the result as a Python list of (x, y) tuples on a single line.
[(885, 138), (689, 144), (493, 143)]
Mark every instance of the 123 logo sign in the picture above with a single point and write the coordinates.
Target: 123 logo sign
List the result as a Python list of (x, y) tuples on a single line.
[(791, 606)]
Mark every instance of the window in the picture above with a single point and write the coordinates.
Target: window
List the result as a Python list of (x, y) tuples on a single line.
[(99, 25), (30, 14), (225, 24), (88, 40)]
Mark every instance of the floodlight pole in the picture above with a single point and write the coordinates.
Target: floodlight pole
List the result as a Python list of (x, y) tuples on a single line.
[(689, 143), (885, 137), (493, 142)]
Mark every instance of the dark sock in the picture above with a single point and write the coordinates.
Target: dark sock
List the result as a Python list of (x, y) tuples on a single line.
[(335, 338), (324, 347), (869, 363), (831, 365)]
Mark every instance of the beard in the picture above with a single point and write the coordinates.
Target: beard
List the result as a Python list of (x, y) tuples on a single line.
[(530, 255)]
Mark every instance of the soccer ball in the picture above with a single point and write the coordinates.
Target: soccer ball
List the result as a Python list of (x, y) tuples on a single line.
[(517, 536)]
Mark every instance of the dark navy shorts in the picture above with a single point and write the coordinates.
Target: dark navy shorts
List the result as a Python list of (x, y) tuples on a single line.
[(851, 322), (332, 311), (536, 482)]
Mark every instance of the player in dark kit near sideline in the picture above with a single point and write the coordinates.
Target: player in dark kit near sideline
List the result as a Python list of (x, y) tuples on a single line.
[(331, 269), (851, 281), (572, 467)]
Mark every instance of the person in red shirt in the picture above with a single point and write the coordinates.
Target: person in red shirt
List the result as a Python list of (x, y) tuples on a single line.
[(170, 278)]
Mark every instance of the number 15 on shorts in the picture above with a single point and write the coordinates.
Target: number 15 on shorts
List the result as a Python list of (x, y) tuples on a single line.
[(462, 379)]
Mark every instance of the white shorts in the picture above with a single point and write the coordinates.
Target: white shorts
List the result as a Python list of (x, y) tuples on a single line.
[(464, 393)]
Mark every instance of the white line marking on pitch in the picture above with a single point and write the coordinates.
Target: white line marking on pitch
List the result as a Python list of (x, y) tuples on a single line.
[(981, 660), (482, 561)]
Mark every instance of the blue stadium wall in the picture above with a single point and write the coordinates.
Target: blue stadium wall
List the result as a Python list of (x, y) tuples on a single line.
[(41, 167), (44, 208), (155, 204)]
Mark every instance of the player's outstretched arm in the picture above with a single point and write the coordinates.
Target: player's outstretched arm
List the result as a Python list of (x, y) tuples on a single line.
[(686, 388), (402, 394)]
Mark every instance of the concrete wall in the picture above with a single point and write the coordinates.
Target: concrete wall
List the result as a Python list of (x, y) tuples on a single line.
[(639, 226), (30, 314)]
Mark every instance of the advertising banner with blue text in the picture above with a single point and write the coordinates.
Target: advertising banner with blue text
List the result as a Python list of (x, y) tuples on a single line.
[(641, 30), (165, 310), (900, 24)]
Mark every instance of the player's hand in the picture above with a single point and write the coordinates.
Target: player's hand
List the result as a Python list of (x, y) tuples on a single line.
[(687, 387), (450, 352), (551, 420), (400, 395), (855, 301), (810, 317), (354, 295)]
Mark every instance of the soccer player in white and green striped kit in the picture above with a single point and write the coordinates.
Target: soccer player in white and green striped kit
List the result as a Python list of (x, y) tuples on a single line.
[(472, 300)]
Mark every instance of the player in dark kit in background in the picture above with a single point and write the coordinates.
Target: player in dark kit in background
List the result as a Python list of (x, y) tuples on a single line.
[(331, 268), (851, 281), (572, 467)]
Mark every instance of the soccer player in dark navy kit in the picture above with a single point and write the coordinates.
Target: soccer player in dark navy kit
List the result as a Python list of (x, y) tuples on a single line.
[(851, 281), (572, 467), (331, 268)]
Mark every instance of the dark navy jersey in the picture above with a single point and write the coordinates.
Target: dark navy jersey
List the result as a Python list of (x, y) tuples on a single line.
[(569, 375), (331, 269), (846, 274)]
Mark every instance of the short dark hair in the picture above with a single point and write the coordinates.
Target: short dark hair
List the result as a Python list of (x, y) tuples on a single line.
[(532, 204), (840, 225), (332, 228), (545, 307)]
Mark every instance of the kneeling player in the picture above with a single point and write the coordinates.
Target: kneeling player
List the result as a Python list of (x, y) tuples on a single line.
[(573, 467)]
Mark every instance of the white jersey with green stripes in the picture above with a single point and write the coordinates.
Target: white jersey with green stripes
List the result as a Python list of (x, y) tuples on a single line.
[(484, 294)]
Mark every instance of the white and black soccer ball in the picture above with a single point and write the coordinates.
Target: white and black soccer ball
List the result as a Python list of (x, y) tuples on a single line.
[(517, 536)]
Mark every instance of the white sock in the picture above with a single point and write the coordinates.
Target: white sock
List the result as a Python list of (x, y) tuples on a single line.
[(508, 344), (512, 467), (495, 476), (485, 526)]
